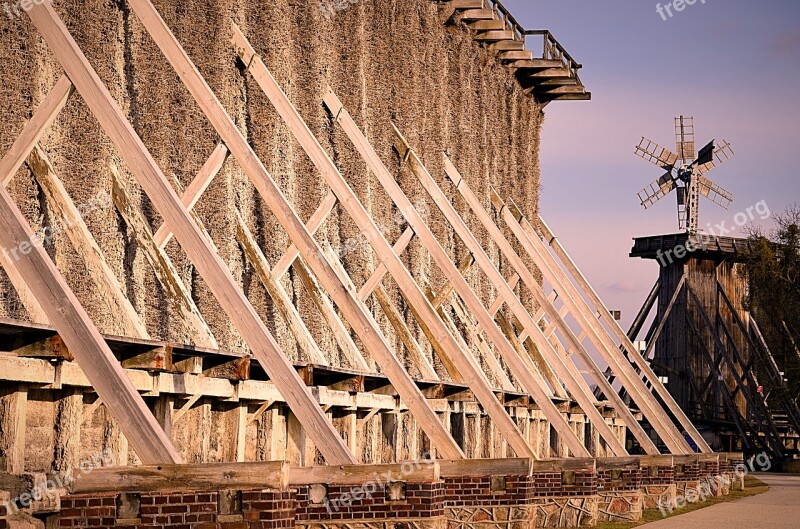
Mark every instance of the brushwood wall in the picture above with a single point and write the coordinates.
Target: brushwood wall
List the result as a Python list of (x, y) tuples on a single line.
[(388, 60)]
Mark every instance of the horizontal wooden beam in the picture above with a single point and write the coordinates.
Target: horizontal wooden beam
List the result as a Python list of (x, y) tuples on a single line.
[(487, 467), (425, 470), (206, 477)]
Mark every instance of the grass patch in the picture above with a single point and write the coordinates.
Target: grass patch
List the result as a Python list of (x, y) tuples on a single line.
[(753, 486)]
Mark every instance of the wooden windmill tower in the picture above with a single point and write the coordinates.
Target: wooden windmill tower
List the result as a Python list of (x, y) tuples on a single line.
[(703, 343)]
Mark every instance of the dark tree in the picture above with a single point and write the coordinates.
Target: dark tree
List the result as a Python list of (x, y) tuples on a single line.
[(774, 297)]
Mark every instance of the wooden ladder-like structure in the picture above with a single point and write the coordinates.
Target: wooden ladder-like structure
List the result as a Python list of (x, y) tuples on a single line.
[(548, 72)]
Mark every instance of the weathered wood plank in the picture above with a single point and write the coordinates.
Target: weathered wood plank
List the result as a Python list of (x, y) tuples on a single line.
[(13, 413), (177, 478), (175, 291), (199, 249), (425, 470), (108, 288), (278, 294), (44, 116), (192, 194)]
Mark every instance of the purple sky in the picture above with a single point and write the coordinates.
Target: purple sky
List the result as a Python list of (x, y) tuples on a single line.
[(732, 64)]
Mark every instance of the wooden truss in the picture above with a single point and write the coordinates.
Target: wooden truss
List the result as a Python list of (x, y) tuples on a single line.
[(601, 338), (535, 356)]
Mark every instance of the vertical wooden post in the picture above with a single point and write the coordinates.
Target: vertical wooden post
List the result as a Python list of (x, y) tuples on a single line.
[(13, 409)]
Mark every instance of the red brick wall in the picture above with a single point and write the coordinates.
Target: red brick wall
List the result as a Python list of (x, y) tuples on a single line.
[(711, 469), (471, 491), (629, 480), (422, 500), (267, 510), (260, 510), (664, 476), (549, 484), (691, 472)]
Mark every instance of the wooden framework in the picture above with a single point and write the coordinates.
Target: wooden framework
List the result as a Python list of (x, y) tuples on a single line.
[(446, 345), (653, 411), (526, 376), (578, 279), (150, 440), (535, 356)]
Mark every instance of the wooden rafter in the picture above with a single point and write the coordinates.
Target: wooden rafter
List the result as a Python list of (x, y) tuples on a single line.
[(520, 363), (622, 337), (649, 406), (197, 246), (564, 369)]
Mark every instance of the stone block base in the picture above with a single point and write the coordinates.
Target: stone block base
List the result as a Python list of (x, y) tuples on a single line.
[(567, 512), (689, 490), (654, 496), (516, 517), (619, 506)]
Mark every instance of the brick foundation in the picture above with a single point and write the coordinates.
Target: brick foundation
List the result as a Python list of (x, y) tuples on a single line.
[(658, 482), (201, 510), (619, 492), (709, 472), (687, 478), (501, 502), (563, 505), (418, 505)]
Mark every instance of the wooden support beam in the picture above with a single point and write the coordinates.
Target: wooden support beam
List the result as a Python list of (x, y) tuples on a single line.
[(356, 313), (640, 361), (313, 224), (488, 355), (188, 405), (208, 477), (107, 287), (425, 314), (380, 272), (13, 413), (415, 352), (45, 115), (340, 333), (633, 384), (192, 194), (259, 262), (566, 372), (83, 337), (520, 369), (176, 292), (10, 164)]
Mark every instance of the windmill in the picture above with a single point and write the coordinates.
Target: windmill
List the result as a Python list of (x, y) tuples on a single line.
[(686, 172)]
